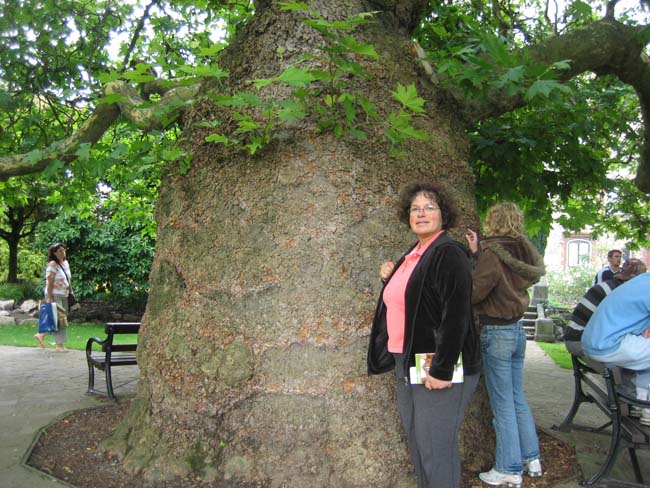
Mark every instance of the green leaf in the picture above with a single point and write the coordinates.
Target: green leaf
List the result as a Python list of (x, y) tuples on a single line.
[(368, 107), (408, 97), (292, 111), (359, 134), (562, 65), (208, 71), (350, 110), (173, 154), (401, 123), (34, 156), (217, 138), (209, 124), (112, 98), (110, 76), (262, 82), (515, 74), (297, 77), (544, 88), (210, 51), (498, 49), (255, 144), (644, 35), (359, 48), (293, 6), (84, 151)]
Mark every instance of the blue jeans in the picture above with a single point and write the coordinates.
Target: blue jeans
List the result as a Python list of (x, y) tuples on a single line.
[(503, 348)]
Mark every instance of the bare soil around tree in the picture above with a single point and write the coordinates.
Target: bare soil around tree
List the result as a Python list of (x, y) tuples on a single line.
[(68, 450)]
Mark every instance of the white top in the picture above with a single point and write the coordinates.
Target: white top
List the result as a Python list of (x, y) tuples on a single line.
[(61, 286)]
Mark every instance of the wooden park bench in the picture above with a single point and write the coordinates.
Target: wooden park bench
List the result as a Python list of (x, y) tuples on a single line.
[(110, 354), (601, 385)]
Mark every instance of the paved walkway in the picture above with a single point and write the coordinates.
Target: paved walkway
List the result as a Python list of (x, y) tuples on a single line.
[(37, 386)]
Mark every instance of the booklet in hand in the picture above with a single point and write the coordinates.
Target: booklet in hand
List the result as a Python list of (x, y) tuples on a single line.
[(422, 362)]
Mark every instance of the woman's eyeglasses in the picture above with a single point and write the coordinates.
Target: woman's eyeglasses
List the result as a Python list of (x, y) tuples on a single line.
[(429, 209)]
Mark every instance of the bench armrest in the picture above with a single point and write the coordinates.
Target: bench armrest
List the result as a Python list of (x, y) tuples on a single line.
[(90, 342)]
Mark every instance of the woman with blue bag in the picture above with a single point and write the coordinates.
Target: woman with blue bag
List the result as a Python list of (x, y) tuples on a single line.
[(57, 290)]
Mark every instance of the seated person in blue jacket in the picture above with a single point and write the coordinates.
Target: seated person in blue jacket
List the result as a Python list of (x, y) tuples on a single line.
[(590, 301), (619, 333)]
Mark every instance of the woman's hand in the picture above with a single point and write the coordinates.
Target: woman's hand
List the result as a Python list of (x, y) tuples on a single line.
[(472, 240), (646, 333), (431, 383), (385, 270)]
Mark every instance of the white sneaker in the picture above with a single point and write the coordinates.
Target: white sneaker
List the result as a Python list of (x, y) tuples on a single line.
[(533, 468), (645, 416), (495, 478)]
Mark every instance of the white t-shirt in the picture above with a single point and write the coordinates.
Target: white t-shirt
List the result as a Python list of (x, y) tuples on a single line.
[(61, 286)]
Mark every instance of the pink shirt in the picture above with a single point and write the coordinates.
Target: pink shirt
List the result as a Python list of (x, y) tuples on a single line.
[(395, 300)]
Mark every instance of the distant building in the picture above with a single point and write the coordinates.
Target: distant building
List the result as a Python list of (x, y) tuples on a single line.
[(565, 250)]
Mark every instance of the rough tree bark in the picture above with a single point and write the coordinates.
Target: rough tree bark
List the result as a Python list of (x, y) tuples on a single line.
[(265, 279)]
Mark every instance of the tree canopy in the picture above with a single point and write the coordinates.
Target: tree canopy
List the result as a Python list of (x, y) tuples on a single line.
[(545, 131)]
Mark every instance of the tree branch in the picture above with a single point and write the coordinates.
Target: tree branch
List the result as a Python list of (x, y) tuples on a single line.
[(136, 33), (101, 119), (605, 47)]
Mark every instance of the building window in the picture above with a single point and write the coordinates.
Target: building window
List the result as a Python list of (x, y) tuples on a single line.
[(578, 252)]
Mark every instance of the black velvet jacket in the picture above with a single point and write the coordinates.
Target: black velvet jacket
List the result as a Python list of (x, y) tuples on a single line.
[(438, 314)]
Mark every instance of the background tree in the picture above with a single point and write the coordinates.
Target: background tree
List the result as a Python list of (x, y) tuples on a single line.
[(265, 274), (22, 207)]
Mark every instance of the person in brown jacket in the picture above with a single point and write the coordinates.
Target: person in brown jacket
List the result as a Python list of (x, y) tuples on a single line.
[(506, 266)]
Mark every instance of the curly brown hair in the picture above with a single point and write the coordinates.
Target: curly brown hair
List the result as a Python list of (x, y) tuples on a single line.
[(432, 191)]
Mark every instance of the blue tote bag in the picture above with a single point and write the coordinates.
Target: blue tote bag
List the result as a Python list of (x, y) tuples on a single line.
[(46, 320)]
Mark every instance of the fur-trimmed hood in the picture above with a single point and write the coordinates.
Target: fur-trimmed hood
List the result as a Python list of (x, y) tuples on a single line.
[(518, 255)]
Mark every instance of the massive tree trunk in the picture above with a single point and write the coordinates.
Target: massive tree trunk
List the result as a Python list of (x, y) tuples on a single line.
[(265, 280)]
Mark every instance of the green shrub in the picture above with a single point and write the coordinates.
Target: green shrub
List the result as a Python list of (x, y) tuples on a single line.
[(21, 291), (565, 288), (11, 291), (31, 264)]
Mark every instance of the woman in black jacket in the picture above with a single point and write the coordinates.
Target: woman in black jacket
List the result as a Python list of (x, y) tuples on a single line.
[(425, 307)]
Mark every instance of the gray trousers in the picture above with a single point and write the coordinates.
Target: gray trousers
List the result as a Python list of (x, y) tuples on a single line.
[(61, 335), (432, 420)]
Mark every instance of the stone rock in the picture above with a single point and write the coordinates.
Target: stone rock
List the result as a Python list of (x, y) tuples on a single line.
[(6, 304), (30, 321), (4, 313), (7, 320), (545, 330), (540, 294), (28, 306)]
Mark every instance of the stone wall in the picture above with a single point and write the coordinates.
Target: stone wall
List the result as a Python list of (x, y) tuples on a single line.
[(89, 311)]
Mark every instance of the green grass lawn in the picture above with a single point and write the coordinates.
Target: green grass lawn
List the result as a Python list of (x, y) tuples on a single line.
[(78, 334), (558, 353)]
